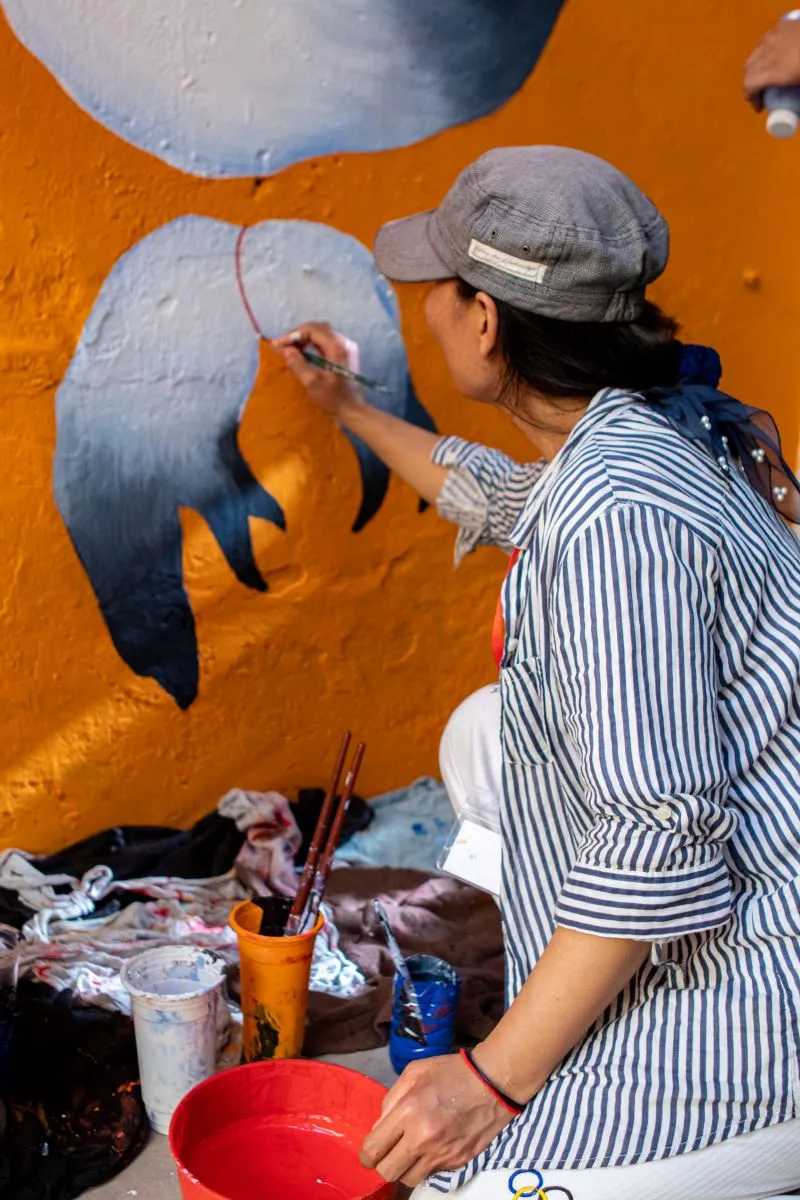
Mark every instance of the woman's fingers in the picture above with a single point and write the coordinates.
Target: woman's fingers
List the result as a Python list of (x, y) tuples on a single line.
[(401, 1163), (774, 63), (301, 367), (392, 1099), (319, 335), (381, 1142), (327, 389)]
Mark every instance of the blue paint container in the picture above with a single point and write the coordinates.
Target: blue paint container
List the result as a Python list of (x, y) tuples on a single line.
[(9, 969), (438, 988)]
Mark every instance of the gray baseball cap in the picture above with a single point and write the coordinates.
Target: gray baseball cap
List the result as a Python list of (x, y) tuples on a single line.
[(547, 229)]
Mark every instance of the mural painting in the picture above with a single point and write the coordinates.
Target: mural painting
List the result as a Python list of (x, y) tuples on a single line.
[(149, 411), (225, 88), (154, 447)]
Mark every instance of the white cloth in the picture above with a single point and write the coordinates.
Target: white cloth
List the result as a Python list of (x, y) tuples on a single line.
[(753, 1166), (64, 946)]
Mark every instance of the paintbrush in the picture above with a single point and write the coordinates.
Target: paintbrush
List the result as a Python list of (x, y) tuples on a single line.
[(332, 843), (295, 921), (414, 1023), (325, 364)]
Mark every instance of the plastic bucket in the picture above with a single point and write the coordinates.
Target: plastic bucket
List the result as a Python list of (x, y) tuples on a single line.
[(438, 987), (274, 986), (288, 1130), (174, 994)]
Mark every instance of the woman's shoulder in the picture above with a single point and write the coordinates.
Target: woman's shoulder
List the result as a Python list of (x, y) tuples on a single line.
[(635, 458)]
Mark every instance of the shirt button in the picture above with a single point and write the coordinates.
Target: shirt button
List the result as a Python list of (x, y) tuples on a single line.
[(663, 812), (512, 645)]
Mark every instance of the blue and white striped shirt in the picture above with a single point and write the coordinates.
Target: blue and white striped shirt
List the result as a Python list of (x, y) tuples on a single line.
[(651, 742)]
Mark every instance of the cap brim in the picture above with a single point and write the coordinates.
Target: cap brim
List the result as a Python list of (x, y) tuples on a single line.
[(404, 252)]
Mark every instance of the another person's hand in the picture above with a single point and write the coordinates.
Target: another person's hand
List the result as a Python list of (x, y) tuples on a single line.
[(332, 393), (774, 63), (437, 1117)]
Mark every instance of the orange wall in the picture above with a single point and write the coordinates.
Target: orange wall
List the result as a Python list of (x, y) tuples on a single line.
[(374, 630)]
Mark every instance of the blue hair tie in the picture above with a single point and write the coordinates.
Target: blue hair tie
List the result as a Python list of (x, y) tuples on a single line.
[(699, 364)]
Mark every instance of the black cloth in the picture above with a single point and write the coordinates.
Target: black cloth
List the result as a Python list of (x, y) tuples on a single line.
[(138, 851), (75, 1116)]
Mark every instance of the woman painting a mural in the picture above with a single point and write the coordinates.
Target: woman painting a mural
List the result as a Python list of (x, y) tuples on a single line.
[(649, 740)]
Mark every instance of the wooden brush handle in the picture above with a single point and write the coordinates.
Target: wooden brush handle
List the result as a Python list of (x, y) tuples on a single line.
[(317, 841)]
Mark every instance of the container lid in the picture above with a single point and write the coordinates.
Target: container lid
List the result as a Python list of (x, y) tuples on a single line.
[(782, 123), (172, 974)]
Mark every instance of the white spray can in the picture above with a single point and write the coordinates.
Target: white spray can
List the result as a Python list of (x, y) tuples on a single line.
[(783, 103)]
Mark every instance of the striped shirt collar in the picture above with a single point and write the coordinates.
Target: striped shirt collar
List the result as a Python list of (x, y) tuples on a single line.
[(600, 408)]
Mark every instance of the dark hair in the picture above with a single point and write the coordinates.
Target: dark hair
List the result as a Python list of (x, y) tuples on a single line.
[(574, 359)]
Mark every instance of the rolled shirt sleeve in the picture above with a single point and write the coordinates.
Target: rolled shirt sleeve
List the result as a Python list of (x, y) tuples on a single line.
[(633, 614), (484, 493)]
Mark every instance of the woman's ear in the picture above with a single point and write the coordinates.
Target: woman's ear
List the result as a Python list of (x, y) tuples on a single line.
[(488, 324)]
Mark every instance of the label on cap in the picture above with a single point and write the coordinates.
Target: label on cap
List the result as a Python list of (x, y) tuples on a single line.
[(523, 268)]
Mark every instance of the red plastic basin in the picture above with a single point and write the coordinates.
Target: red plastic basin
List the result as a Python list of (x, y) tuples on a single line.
[(286, 1128)]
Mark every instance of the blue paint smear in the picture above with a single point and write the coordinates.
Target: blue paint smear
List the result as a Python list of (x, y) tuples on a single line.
[(148, 413), (220, 90)]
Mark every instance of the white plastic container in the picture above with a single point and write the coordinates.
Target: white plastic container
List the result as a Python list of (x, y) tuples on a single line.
[(175, 991), (783, 103)]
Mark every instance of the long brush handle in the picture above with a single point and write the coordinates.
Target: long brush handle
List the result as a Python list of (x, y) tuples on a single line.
[(402, 969), (295, 918), (321, 876)]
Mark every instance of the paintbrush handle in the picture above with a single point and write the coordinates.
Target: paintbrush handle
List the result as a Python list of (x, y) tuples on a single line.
[(338, 821), (325, 364), (295, 919), (400, 963), (391, 941), (321, 877)]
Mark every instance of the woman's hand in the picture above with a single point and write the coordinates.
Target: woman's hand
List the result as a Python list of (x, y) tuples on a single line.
[(774, 63), (437, 1117), (330, 392)]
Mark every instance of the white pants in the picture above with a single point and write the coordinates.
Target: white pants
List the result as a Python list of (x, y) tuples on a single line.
[(753, 1166), (470, 757)]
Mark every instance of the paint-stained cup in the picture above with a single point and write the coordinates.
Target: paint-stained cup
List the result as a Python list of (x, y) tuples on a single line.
[(274, 986), (175, 992), (438, 987)]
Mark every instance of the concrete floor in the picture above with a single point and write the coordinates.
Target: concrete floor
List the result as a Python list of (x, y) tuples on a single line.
[(153, 1177)]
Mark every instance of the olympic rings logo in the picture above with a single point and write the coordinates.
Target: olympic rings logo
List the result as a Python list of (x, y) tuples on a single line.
[(533, 1188)]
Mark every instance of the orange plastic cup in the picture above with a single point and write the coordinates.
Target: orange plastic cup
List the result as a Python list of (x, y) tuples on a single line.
[(274, 984)]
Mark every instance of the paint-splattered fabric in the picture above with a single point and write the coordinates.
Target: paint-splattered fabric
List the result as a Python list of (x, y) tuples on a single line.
[(429, 915), (409, 829), (650, 692)]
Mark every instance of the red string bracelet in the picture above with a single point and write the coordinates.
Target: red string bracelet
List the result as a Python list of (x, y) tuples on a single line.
[(501, 1098)]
